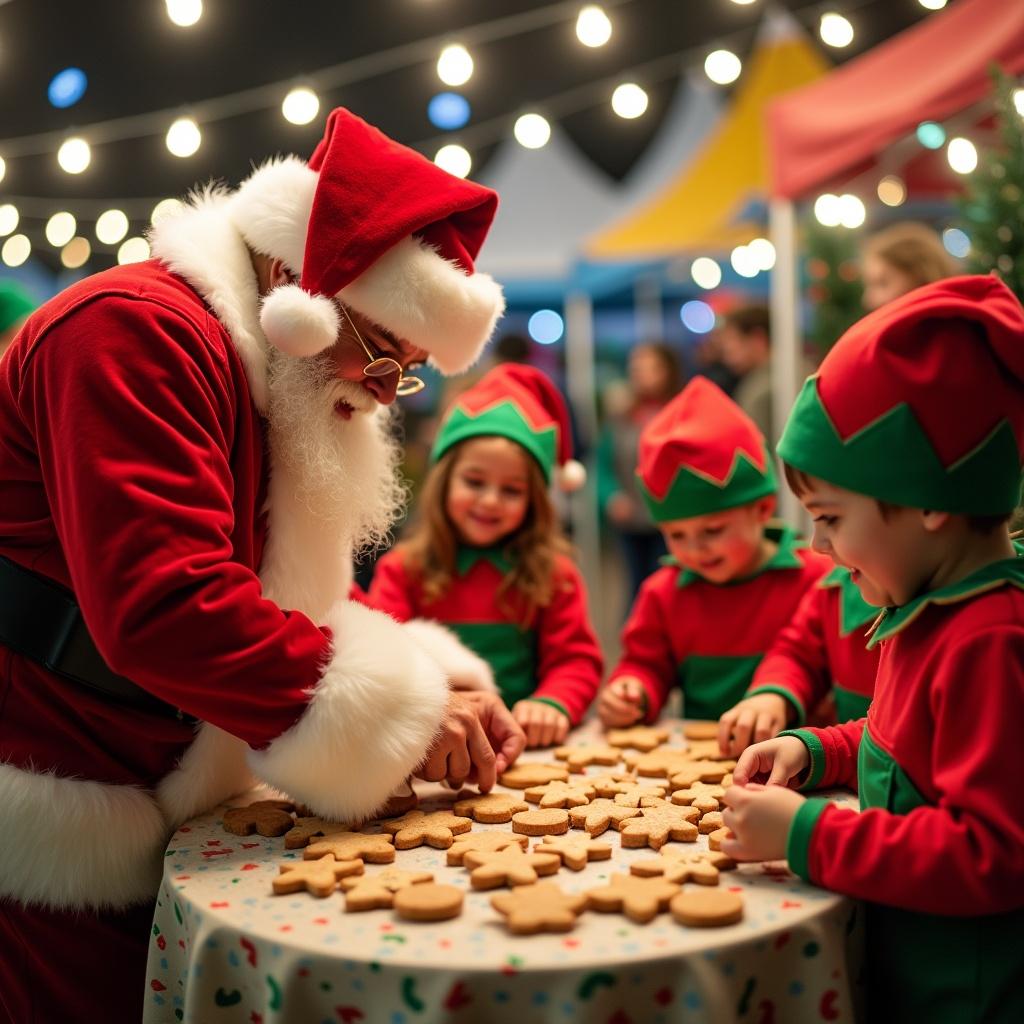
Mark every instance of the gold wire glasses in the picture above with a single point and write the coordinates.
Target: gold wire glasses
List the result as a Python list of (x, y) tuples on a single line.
[(384, 366)]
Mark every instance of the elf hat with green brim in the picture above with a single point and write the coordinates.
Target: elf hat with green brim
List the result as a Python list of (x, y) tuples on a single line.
[(921, 403), (522, 404), (701, 454)]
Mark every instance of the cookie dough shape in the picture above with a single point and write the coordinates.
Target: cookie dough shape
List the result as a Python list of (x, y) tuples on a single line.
[(574, 851), (482, 841), (542, 907), (561, 794), (685, 866), (266, 817), (639, 737), (488, 808), (702, 795), (437, 829), (579, 758), (599, 814), (318, 877), (377, 892), (523, 776), (640, 899), (511, 866), (658, 825), (707, 908), (428, 902), (552, 822), (374, 849), (305, 829)]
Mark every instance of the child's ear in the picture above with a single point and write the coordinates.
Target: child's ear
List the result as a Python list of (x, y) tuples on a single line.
[(765, 508), (934, 521)]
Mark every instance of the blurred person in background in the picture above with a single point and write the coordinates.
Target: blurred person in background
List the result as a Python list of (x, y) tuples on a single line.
[(744, 340), (899, 259)]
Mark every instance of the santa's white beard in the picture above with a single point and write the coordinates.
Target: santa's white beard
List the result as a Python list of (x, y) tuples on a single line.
[(345, 471)]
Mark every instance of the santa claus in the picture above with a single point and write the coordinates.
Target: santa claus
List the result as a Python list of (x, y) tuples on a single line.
[(191, 451)]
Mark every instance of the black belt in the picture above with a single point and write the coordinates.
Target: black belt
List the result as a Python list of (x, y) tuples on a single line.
[(41, 620)]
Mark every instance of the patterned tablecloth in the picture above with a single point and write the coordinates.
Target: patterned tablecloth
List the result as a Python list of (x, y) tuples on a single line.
[(225, 951)]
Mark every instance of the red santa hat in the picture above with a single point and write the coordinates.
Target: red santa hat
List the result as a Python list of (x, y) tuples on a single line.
[(381, 228), (521, 403)]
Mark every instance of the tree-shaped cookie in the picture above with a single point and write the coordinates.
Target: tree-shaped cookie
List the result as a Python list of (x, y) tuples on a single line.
[(641, 794), (657, 764), (374, 849), (437, 829), (638, 737), (561, 794), (578, 758), (511, 866), (687, 773), (306, 829), (375, 892), (483, 841), (575, 851), (680, 866), (542, 907), (705, 796), (523, 776), (640, 899), (318, 877), (711, 822), (266, 817), (488, 808), (596, 816), (658, 825)]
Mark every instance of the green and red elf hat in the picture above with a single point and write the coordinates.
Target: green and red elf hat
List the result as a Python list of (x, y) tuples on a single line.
[(702, 453), (522, 404), (921, 403)]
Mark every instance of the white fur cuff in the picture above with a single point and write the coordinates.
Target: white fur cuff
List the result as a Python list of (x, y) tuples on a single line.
[(370, 721), (465, 669)]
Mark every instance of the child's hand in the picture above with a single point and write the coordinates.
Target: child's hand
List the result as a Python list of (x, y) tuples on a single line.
[(622, 702), (543, 724), (754, 719), (777, 762), (759, 817)]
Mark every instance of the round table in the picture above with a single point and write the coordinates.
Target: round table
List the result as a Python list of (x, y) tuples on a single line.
[(225, 951)]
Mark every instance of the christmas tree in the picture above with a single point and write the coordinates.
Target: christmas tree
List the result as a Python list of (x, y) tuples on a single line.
[(993, 214), (833, 284)]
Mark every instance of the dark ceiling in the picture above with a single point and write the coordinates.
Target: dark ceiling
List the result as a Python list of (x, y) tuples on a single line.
[(137, 61)]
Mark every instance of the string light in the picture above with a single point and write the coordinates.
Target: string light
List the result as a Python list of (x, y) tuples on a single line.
[(166, 208), (743, 262), (892, 191), (629, 100), (835, 30), (962, 155), (76, 253), (3, 168), (931, 135), (706, 273), (1018, 102), (60, 229), (956, 242), (762, 252), (111, 227), (74, 155), (455, 65), (852, 212), (532, 131), (932, 5), (593, 27), (827, 210), (722, 67), (184, 13), (16, 250), (300, 106), (184, 137), (545, 326), (134, 250), (454, 159), (697, 316), (9, 218), (448, 111)]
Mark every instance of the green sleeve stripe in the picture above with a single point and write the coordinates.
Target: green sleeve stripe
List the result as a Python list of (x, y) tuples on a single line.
[(798, 842), (801, 713), (816, 750), (554, 703)]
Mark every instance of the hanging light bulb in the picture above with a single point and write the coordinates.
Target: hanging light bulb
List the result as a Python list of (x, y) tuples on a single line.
[(593, 27), (60, 229), (828, 210), (111, 227), (134, 250), (16, 250), (629, 100), (76, 253), (962, 155), (892, 190), (9, 218), (455, 65), (166, 208), (706, 273), (300, 106), (3, 168), (722, 67), (74, 155), (532, 131), (835, 30), (184, 137), (454, 159), (932, 5), (184, 13)]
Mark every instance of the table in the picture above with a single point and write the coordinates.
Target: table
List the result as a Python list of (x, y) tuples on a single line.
[(224, 951)]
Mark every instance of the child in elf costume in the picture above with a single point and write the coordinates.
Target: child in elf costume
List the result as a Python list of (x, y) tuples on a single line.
[(823, 652), (906, 447), (488, 559), (707, 618)]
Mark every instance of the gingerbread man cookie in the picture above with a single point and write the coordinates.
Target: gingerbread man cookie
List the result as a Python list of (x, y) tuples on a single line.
[(482, 841), (374, 849), (684, 866), (640, 899), (702, 795), (658, 763), (542, 907), (612, 783), (510, 866), (641, 794), (687, 773), (437, 829), (638, 737), (561, 794), (595, 817), (266, 817), (488, 808), (318, 877), (306, 829), (376, 892), (716, 838), (523, 776), (575, 851), (711, 822), (579, 758), (658, 825)]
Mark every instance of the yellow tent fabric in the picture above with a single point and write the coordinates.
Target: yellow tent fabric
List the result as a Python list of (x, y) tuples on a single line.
[(697, 210)]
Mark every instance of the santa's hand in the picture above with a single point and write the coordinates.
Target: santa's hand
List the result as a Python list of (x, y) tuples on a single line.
[(461, 748), (760, 818), (778, 762), (506, 737)]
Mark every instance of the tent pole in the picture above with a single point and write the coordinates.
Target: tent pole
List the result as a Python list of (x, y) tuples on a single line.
[(647, 310), (581, 384), (787, 361)]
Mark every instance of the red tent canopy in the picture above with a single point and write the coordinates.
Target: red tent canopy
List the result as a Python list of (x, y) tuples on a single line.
[(835, 127)]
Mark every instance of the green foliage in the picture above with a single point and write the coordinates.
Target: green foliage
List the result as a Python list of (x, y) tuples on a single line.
[(832, 283)]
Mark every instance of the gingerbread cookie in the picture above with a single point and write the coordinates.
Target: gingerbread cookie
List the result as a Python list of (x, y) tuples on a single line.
[(599, 814), (641, 794), (701, 730), (612, 783), (552, 822), (704, 796), (377, 892), (687, 773), (428, 902), (640, 899), (707, 908), (575, 851), (684, 866), (306, 829), (716, 838), (579, 758), (658, 825), (482, 841), (266, 817), (711, 822), (318, 877), (523, 776), (402, 801), (437, 829), (488, 808), (658, 763), (374, 849), (639, 737), (511, 866), (706, 750), (561, 794), (542, 907)]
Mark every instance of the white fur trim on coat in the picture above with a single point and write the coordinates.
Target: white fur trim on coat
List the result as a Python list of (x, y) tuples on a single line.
[(370, 720), (465, 669)]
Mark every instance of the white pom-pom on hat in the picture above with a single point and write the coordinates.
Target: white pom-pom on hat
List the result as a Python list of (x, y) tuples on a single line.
[(571, 475), (298, 323)]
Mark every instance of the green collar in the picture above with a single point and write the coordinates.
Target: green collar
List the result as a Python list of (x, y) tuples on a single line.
[(466, 557), (854, 611), (1010, 570), (785, 557)]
